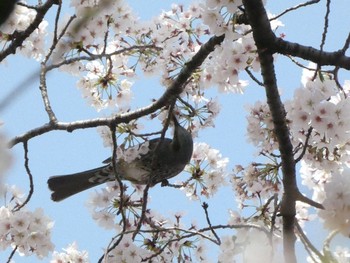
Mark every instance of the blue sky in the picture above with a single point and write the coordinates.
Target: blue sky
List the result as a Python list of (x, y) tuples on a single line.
[(61, 152)]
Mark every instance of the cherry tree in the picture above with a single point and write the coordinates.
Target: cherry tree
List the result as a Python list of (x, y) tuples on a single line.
[(197, 52)]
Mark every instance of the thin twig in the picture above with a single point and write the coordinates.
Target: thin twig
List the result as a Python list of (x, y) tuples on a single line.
[(295, 8), (299, 64), (326, 25), (20, 88), (143, 212), (274, 214), (105, 40), (31, 184), (56, 37), (117, 176), (145, 191), (23, 35), (306, 144), (12, 254), (159, 251), (121, 194), (188, 105), (99, 56), (249, 226), (324, 35), (300, 197), (253, 77), (336, 69), (306, 242), (326, 246), (264, 208), (28, 6), (167, 122), (199, 232), (58, 13), (205, 207)]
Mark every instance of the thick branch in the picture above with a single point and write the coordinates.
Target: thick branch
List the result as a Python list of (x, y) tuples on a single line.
[(264, 37), (169, 95), (45, 96), (317, 56), (19, 37)]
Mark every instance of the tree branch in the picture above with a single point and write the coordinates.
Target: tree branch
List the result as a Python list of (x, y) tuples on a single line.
[(317, 56), (300, 197), (310, 248), (293, 8), (320, 57), (45, 96), (205, 207), (169, 95), (264, 39), (306, 144), (19, 37), (114, 242), (31, 183), (9, 260), (143, 211)]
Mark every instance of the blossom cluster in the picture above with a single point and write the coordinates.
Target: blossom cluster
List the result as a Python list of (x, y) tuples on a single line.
[(126, 151), (318, 106), (341, 254), (98, 85), (201, 115), (152, 250), (106, 46), (116, 44), (257, 183), (321, 106), (102, 205), (20, 19), (317, 114), (208, 172), (336, 202), (253, 245), (70, 254), (28, 232), (127, 251), (260, 128), (252, 241), (105, 207), (258, 189)]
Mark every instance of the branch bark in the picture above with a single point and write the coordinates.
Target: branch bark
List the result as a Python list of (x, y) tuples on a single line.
[(264, 39), (175, 89), (322, 58), (336, 58), (21, 36)]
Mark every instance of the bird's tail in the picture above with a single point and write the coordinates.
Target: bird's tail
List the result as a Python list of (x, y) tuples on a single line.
[(63, 186)]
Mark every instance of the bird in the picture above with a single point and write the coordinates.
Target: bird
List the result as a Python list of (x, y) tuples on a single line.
[(6, 9), (165, 159)]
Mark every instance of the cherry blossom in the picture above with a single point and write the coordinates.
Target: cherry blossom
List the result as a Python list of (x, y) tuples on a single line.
[(208, 172), (70, 254), (107, 47), (336, 203), (29, 231)]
